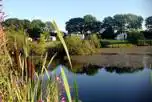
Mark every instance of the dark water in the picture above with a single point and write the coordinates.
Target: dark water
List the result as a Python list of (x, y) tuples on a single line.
[(112, 84)]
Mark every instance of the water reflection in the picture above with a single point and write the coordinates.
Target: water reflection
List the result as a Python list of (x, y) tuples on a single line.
[(91, 69)]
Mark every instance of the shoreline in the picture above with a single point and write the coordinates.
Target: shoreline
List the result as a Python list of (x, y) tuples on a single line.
[(126, 57)]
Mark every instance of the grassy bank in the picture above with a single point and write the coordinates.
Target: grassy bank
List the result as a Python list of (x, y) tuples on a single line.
[(19, 82)]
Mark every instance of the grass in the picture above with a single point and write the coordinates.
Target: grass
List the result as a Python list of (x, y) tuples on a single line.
[(110, 43), (15, 83), (120, 45), (124, 43), (114, 41)]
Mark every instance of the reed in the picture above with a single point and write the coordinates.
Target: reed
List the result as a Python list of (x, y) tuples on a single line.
[(20, 83)]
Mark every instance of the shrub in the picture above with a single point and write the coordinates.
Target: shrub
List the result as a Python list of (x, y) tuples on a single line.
[(55, 47), (94, 40), (147, 34), (39, 48), (88, 47), (134, 36), (144, 42), (76, 46), (15, 38)]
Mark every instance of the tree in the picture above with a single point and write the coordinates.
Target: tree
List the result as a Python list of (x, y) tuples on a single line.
[(148, 23), (92, 27), (134, 36), (91, 24), (133, 21), (36, 28), (109, 21), (108, 27), (49, 27), (89, 18), (26, 24), (34, 33), (128, 21), (16, 24), (108, 33), (75, 25), (37, 24), (120, 22), (13, 23)]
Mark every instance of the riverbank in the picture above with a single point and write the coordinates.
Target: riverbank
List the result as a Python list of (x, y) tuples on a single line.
[(122, 57)]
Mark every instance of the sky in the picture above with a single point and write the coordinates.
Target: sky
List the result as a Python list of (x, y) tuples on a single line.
[(62, 10)]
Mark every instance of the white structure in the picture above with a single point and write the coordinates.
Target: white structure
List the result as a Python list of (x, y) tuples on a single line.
[(102, 30), (53, 38), (122, 36), (30, 39), (82, 36)]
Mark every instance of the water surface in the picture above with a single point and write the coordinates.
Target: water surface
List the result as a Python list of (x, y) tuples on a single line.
[(107, 86)]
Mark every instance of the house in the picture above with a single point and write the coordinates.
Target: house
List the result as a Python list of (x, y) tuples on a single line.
[(121, 36), (30, 39), (53, 35), (82, 36)]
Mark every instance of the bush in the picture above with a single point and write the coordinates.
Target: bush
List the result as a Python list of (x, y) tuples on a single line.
[(55, 47), (15, 38), (147, 34), (76, 46), (144, 42), (94, 40), (134, 36), (40, 47), (37, 48)]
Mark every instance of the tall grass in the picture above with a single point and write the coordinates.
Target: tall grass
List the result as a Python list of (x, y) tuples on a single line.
[(20, 83)]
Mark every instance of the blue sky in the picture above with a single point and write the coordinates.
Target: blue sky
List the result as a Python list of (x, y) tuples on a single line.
[(63, 10)]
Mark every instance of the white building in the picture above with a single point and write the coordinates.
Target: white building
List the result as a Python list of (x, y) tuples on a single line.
[(53, 38), (121, 36)]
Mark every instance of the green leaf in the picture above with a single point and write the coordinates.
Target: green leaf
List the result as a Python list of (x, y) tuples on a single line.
[(66, 85), (59, 34), (76, 91)]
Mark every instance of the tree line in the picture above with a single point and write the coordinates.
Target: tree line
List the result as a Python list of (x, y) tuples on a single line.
[(109, 26)]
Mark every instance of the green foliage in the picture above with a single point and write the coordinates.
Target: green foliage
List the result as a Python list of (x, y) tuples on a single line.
[(75, 25), (123, 22), (76, 46), (39, 48), (107, 43), (83, 25), (17, 87), (89, 18), (144, 42), (134, 36), (94, 40), (17, 37), (120, 45), (37, 24), (60, 36), (148, 34), (14, 86), (66, 85), (49, 26), (148, 23)]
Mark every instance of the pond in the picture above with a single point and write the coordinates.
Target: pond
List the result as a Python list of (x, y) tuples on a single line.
[(105, 85), (116, 75)]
